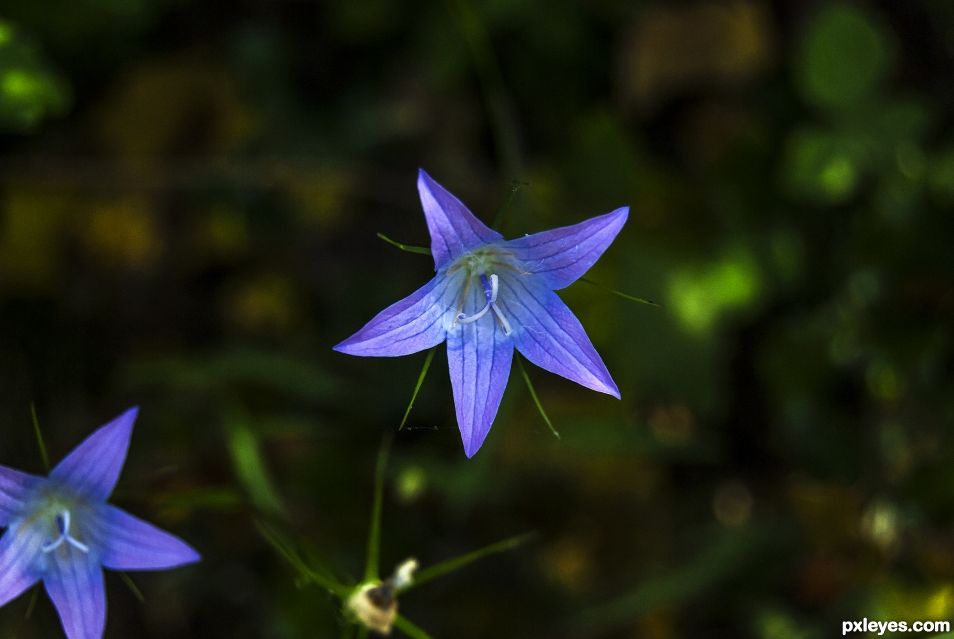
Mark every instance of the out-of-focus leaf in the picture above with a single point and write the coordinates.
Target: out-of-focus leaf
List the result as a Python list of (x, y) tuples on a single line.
[(250, 466), (699, 297), (30, 91), (823, 166), (238, 366), (728, 552), (844, 56)]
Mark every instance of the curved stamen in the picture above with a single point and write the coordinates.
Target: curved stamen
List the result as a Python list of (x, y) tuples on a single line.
[(63, 521), (504, 324), (463, 318)]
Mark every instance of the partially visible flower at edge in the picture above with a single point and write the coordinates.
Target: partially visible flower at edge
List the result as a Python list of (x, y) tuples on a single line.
[(490, 296), (61, 531)]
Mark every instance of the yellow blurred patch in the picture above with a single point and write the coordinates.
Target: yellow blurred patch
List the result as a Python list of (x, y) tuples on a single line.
[(264, 304), (122, 232), (321, 196), (173, 107), (671, 49), (32, 225)]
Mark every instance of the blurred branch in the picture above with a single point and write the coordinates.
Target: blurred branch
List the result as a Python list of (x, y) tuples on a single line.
[(499, 108)]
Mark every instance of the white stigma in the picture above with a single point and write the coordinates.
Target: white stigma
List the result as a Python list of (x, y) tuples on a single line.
[(463, 318), (65, 537)]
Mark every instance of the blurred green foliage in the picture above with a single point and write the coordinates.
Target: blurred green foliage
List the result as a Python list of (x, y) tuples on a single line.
[(189, 202), (29, 90)]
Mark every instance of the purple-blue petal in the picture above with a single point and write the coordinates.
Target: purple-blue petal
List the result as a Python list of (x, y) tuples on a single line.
[(19, 549), (454, 229), (479, 355), (547, 333), (15, 489), (413, 324), (129, 543), (93, 468), (561, 256), (74, 582)]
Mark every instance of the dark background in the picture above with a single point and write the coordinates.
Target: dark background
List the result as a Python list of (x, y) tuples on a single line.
[(189, 195)]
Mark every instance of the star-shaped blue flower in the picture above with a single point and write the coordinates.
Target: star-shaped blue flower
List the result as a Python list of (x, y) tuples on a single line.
[(61, 531), (490, 296)]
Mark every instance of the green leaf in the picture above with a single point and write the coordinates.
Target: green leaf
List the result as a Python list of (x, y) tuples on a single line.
[(372, 565), (417, 386), (451, 565), (405, 247), (404, 625), (625, 296), (536, 399), (39, 438)]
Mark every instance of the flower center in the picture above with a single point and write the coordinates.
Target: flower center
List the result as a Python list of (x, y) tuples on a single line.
[(491, 288), (63, 525)]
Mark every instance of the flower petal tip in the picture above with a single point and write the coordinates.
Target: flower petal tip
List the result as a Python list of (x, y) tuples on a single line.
[(609, 387)]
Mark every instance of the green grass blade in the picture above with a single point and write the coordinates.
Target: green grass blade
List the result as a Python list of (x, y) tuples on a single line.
[(304, 571), (249, 463), (515, 186), (408, 628), (445, 567), (372, 565), (39, 437), (417, 386), (405, 247), (625, 296), (536, 399)]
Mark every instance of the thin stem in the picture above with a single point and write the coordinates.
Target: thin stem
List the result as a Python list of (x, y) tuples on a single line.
[(137, 593), (625, 296), (417, 386), (371, 568), (404, 247), (445, 567), (32, 605), (39, 437), (292, 557), (536, 399), (414, 632)]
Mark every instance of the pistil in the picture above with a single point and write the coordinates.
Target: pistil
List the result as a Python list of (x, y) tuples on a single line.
[(491, 288), (63, 522)]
